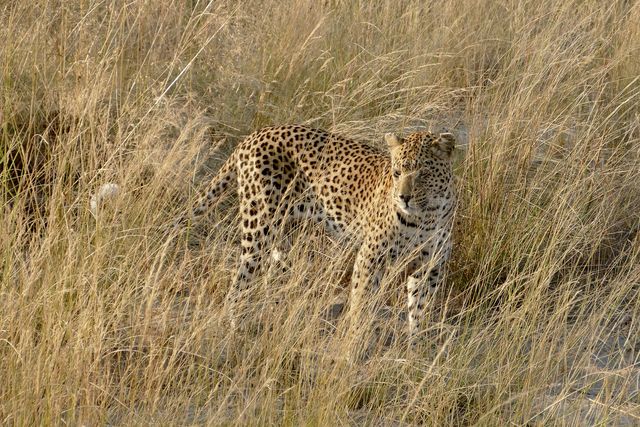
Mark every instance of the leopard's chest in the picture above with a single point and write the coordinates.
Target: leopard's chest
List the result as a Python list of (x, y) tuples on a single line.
[(416, 236)]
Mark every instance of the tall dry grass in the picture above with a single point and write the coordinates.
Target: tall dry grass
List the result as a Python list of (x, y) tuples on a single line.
[(103, 320)]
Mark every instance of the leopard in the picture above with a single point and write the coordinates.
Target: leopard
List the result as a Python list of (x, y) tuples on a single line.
[(395, 200)]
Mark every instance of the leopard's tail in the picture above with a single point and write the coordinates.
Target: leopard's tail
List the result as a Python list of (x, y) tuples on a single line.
[(224, 180)]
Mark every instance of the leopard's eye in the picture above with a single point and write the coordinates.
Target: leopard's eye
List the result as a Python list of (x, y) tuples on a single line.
[(396, 173)]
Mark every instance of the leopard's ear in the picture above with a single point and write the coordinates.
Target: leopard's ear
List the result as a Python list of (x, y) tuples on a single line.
[(393, 140), (445, 143)]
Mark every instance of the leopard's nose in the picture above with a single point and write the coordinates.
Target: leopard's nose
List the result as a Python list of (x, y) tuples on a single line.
[(405, 198)]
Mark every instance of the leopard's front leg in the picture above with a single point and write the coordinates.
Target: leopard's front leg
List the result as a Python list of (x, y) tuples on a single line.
[(368, 270), (419, 287), (424, 282)]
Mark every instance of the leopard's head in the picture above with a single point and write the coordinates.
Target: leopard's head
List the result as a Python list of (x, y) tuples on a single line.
[(422, 171)]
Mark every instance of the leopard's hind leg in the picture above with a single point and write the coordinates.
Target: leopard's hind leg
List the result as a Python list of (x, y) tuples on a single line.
[(260, 196)]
